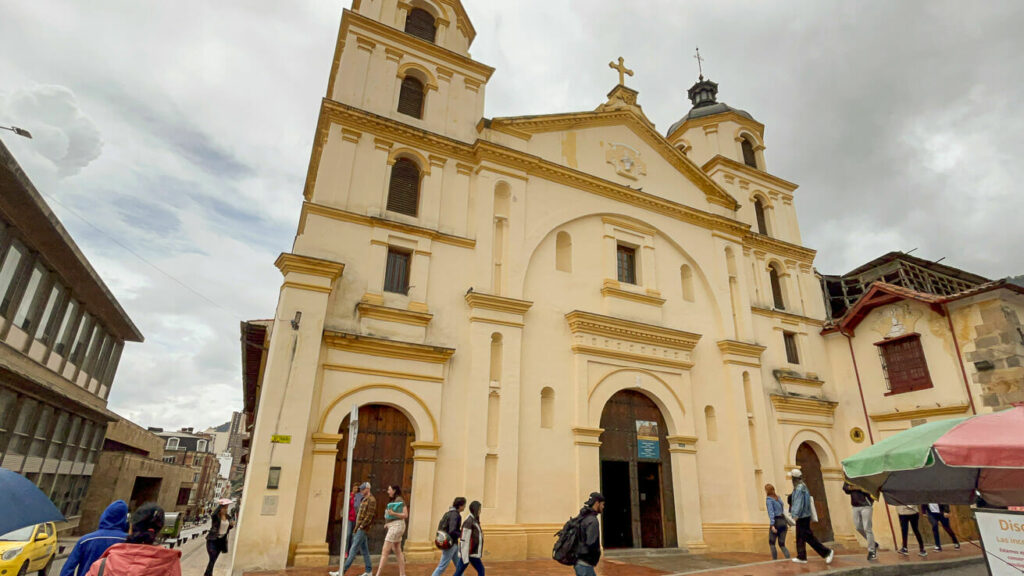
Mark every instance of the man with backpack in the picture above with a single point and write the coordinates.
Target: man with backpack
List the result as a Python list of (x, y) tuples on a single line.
[(449, 530), (578, 543)]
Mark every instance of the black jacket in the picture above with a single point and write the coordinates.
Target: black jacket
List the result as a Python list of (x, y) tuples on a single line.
[(589, 549), (943, 509), (452, 524), (214, 533), (858, 497)]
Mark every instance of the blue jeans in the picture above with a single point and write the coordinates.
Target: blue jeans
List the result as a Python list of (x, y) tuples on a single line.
[(360, 545), (446, 559), (460, 567), (584, 570)]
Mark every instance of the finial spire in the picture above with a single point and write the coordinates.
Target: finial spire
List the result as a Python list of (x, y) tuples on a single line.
[(700, 59), (623, 71)]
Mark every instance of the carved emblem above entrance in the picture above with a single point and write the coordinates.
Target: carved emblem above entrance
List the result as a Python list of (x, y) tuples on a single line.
[(626, 160)]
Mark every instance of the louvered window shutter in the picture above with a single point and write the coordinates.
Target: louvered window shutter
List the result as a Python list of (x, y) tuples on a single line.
[(420, 24), (749, 158), (404, 190), (410, 98), (396, 275)]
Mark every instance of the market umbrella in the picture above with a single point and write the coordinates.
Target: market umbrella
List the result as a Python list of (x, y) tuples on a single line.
[(22, 504), (947, 461)]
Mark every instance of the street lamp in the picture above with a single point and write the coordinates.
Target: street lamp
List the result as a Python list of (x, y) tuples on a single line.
[(18, 131)]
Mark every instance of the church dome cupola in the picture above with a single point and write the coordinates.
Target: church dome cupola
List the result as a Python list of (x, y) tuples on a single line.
[(703, 93)]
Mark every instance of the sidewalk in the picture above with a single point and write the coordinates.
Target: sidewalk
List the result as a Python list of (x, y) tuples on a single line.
[(736, 564)]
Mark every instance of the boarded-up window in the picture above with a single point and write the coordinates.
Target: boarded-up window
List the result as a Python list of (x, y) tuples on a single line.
[(420, 24), (410, 98), (563, 252), (903, 364), (396, 275), (792, 356), (749, 158), (627, 264), (777, 299), (762, 223), (404, 189)]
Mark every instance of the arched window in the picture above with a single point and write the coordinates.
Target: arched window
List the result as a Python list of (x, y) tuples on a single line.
[(547, 407), (404, 189), (410, 98), (776, 281), (762, 222), (563, 252), (686, 277), (711, 423), (749, 158), (172, 444), (420, 24)]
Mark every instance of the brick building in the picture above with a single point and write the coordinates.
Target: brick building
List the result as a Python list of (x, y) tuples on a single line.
[(196, 451)]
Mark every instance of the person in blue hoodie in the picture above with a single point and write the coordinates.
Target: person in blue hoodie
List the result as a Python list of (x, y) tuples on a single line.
[(113, 530)]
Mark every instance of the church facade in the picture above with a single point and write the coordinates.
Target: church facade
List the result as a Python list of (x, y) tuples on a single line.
[(528, 309)]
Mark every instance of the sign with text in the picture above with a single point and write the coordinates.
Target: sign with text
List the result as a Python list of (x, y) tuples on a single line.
[(647, 446), (281, 439), (1002, 537)]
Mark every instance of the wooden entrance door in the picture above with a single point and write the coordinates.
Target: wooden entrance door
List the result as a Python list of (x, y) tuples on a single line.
[(640, 506), (383, 455), (810, 465)]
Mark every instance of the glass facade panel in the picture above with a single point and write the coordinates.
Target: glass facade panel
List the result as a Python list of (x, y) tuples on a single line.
[(85, 330), (75, 430), (60, 435), (67, 328), (23, 429), (8, 401), (23, 317), (47, 325), (8, 271), (42, 432)]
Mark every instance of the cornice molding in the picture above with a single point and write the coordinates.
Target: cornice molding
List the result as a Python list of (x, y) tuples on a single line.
[(288, 263), (750, 172), (386, 348), (785, 316), (610, 290), (595, 324), (741, 348), (628, 225), (333, 112), (804, 406), (919, 413), (377, 222), (779, 247), (790, 379), (497, 303), (386, 313), (714, 120)]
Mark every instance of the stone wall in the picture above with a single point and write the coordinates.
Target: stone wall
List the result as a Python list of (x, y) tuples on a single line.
[(998, 355), (131, 434), (114, 479)]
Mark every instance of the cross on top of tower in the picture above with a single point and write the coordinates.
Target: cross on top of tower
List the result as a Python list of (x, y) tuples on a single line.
[(623, 71), (700, 60)]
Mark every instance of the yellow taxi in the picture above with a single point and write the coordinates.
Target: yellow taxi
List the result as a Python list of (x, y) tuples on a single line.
[(29, 549)]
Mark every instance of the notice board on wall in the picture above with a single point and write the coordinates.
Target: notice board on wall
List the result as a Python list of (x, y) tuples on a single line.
[(1002, 538)]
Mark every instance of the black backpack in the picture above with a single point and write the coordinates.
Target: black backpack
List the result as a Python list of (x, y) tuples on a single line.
[(567, 542), (443, 540)]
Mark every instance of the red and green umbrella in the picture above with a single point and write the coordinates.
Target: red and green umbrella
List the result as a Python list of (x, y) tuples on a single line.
[(947, 461)]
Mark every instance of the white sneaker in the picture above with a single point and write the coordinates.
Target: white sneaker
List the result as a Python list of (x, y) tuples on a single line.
[(799, 561), (334, 573), (831, 555)]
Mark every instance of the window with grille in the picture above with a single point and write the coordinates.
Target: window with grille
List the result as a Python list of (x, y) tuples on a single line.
[(420, 24), (749, 158), (626, 257), (410, 97), (792, 356), (762, 222), (404, 189), (396, 275), (904, 364)]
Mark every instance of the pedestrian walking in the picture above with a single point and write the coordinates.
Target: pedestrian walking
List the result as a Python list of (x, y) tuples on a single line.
[(217, 537), (939, 514), (777, 525), (449, 530), (588, 551), (364, 519), (394, 522), (354, 500), (863, 509), (113, 529), (471, 544), (801, 509), (139, 555), (908, 519)]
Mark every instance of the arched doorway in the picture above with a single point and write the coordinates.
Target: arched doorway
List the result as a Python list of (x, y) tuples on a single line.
[(636, 474), (383, 455), (810, 465)]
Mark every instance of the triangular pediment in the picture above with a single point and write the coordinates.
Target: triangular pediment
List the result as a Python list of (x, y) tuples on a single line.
[(631, 117)]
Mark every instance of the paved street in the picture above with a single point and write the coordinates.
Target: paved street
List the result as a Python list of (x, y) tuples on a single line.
[(193, 556)]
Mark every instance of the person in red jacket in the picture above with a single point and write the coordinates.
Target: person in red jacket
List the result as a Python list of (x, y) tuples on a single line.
[(354, 499), (140, 556)]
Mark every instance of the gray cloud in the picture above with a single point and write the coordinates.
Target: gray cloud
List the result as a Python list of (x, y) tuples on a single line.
[(65, 135), (898, 120)]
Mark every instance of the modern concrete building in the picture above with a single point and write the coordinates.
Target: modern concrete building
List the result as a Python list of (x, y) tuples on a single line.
[(194, 450), (62, 333)]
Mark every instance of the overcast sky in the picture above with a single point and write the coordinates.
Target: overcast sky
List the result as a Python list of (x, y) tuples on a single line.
[(183, 130)]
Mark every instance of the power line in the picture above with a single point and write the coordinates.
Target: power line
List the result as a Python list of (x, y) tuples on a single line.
[(139, 256)]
